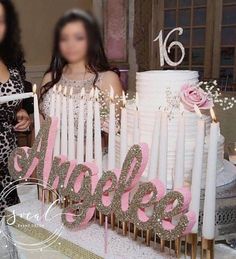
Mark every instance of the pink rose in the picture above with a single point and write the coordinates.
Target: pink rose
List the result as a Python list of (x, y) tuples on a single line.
[(191, 95)]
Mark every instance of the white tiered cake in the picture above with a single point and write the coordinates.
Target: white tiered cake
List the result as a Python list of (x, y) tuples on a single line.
[(161, 89)]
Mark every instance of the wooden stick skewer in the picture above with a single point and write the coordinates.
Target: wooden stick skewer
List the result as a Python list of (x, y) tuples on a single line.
[(207, 248), (162, 242), (124, 228), (113, 221), (135, 232), (178, 247), (101, 219), (191, 245), (148, 237)]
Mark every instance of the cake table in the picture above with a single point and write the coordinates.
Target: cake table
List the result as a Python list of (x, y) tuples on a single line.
[(84, 243)]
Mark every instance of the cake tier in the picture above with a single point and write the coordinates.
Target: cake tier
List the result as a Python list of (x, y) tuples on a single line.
[(153, 86)]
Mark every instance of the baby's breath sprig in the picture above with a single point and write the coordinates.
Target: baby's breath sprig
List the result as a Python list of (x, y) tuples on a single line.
[(214, 92)]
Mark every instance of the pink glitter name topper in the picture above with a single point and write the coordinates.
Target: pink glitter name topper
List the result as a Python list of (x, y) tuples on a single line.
[(109, 194)]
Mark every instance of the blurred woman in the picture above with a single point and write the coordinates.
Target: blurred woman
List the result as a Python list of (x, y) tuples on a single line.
[(12, 75), (79, 61)]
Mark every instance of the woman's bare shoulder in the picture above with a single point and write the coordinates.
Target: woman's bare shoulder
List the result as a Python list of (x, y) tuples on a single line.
[(110, 78)]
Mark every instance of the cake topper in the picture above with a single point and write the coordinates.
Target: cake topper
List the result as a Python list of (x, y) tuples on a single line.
[(164, 51)]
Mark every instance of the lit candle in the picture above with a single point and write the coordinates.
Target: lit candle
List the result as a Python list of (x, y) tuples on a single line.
[(71, 125), (208, 228), (123, 131), (52, 102), (197, 168), (15, 97), (80, 142), (36, 111), (112, 132), (89, 128), (180, 152), (136, 122), (152, 174), (58, 115), (163, 150), (64, 124), (97, 134)]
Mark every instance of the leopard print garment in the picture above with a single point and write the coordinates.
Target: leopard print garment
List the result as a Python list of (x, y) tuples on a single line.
[(8, 111)]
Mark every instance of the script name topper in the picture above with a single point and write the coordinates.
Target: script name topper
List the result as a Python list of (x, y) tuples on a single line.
[(109, 194)]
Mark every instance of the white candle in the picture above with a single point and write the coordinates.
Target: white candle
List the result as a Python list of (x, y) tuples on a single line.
[(136, 122), (152, 174), (36, 111), (64, 124), (208, 228), (197, 169), (112, 132), (123, 132), (97, 134), (80, 142), (15, 97), (71, 125), (58, 115), (89, 128), (180, 153), (163, 150), (52, 102)]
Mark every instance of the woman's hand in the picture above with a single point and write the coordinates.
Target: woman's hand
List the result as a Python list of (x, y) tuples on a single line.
[(23, 120)]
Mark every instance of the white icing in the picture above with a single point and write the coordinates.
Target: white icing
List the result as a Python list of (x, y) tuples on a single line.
[(151, 88)]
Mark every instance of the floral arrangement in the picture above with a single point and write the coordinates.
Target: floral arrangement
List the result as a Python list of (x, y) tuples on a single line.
[(191, 95), (204, 95)]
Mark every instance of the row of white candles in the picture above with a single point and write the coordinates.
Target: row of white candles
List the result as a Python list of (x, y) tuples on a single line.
[(89, 141), (158, 166), (65, 144)]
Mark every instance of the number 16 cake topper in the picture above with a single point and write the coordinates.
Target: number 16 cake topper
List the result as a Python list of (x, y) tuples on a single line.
[(164, 51)]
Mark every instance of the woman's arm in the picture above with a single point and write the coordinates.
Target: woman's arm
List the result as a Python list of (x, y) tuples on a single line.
[(111, 79), (46, 79)]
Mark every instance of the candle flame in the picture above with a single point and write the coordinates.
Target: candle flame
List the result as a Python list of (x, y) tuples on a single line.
[(34, 88), (91, 94), (96, 94), (197, 110), (82, 93), (59, 89), (71, 91), (111, 93), (137, 101), (65, 91), (213, 115), (124, 98)]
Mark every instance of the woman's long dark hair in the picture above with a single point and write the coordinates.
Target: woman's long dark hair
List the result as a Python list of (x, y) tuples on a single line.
[(96, 59), (11, 51)]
